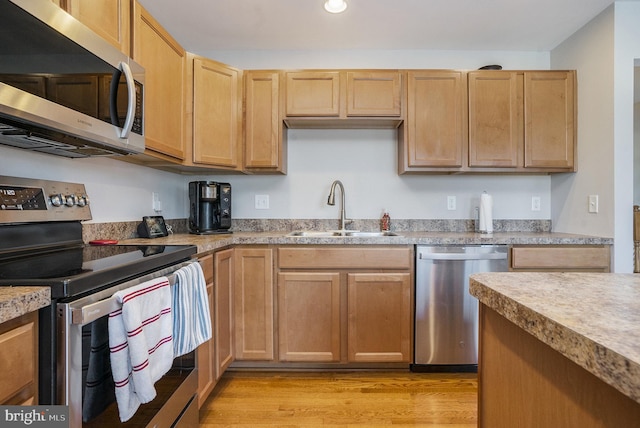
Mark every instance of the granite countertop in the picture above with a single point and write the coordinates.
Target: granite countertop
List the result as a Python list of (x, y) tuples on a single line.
[(17, 301), (206, 243), (593, 319)]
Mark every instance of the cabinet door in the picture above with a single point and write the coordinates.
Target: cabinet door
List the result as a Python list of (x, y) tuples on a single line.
[(265, 137), (375, 93), (309, 316), (253, 297), (205, 352), (164, 62), (313, 93), (217, 132), (436, 105), (495, 114), (223, 303), (19, 360), (549, 114), (379, 317), (108, 18)]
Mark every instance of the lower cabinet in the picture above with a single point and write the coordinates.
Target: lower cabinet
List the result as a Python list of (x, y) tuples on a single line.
[(309, 323), (223, 314), (344, 304), (379, 317), (254, 304), (19, 360), (206, 352), (214, 356)]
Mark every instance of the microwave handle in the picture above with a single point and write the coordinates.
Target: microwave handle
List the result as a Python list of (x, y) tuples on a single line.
[(131, 104)]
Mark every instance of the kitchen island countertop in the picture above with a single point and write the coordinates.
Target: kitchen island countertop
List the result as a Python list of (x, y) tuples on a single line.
[(591, 319)]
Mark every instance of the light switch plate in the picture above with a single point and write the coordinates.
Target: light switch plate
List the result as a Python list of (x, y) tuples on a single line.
[(262, 202), (451, 203), (593, 203)]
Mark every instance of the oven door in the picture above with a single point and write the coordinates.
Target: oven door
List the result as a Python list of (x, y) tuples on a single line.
[(84, 379)]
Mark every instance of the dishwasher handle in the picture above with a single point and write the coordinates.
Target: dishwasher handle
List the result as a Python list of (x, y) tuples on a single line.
[(462, 256)]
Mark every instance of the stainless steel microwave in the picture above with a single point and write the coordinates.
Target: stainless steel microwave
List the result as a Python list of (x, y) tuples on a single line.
[(63, 89)]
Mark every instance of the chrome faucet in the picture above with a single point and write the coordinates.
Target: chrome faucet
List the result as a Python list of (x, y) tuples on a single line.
[(332, 201)]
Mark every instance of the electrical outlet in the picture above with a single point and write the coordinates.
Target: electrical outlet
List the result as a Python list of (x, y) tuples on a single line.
[(535, 203), (593, 203), (451, 203), (262, 202)]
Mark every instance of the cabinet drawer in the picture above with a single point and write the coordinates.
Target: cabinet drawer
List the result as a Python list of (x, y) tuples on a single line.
[(342, 257), (565, 257)]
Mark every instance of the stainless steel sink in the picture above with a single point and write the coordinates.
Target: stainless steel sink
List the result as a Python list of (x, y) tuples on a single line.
[(339, 234), (316, 234), (371, 234)]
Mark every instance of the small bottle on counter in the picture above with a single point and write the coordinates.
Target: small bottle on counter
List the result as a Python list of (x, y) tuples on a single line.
[(385, 222)]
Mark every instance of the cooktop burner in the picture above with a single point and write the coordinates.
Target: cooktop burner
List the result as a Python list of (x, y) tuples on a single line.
[(81, 269)]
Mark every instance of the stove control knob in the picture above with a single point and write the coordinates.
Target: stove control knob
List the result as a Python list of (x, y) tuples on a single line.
[(83, 200), (56, 200), (70, 200)]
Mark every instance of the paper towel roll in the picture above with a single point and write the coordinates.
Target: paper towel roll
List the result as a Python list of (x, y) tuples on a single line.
[(486, 213)]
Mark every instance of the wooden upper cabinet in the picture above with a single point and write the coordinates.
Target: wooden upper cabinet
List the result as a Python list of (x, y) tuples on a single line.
[(374, 93), (264, 133), (434, 133), (110, 19), (522, 120), (549, 116), (343, 94), (217, 114), (164, 89), (312, 93), (495, 119)]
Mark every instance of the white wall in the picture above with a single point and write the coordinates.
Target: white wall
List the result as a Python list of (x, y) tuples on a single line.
[(119, 191), (603, 52), (590, 52), (365, 162), (275, 59)]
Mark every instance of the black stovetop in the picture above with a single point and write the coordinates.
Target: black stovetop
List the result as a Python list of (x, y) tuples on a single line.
[(77, 270)]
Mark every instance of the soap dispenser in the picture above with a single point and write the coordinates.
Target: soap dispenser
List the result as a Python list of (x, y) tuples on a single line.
[(385, 222)]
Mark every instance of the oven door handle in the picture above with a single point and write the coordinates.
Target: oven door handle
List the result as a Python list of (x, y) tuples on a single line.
[(98, 305)]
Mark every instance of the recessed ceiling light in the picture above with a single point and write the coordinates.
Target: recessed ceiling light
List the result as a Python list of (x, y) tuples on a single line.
[(335, 6)]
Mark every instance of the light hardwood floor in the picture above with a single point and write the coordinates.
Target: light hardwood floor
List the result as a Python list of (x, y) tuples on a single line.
[(360, 399)]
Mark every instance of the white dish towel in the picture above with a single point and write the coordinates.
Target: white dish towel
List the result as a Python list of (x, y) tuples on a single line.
[(486, 213), (140, 343), (191, 317)]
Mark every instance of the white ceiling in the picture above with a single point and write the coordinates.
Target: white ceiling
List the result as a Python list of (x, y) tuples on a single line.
[(507, 25)]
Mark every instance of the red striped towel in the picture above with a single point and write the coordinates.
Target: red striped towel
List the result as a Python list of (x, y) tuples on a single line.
[(140, 343)]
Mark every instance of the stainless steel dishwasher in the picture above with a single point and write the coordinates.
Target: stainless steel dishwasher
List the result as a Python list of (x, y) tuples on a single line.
[(446, 315)]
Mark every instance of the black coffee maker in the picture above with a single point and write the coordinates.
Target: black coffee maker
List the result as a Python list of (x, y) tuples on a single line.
[(209, 207)]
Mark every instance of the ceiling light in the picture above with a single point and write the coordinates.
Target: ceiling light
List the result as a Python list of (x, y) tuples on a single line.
[(335, 6)]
